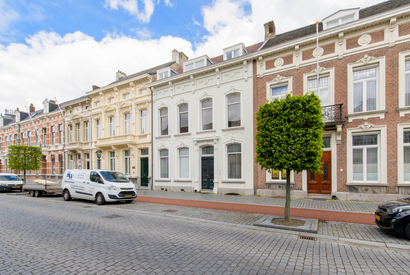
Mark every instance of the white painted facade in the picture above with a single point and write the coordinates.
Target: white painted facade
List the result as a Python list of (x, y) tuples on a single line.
[(201, 88)]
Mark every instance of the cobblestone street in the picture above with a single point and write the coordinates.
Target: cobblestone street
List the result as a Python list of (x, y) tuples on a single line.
[(49, 236)]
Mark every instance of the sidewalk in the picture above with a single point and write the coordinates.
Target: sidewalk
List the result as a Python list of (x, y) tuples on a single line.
[(245, 210)]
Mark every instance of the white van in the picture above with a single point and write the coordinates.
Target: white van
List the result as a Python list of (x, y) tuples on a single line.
[(98, 185)]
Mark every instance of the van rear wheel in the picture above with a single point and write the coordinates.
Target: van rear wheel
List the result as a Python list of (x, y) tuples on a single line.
[(99, 199), (31, 192), (66, 195)]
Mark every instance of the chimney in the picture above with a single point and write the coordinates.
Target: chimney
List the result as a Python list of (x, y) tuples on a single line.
[(32, 108), (270, 30), (179, 58), (120, 74), (95, 87)]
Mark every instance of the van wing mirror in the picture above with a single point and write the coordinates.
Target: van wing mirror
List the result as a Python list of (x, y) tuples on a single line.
[(98, 179)]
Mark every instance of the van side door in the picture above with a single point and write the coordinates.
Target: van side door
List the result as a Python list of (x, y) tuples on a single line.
[(94, 183)]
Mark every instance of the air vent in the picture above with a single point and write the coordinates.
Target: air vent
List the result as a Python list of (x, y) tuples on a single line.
[(307, 238)]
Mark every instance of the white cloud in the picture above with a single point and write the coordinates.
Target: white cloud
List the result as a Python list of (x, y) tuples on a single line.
[(7, 16), (131, 6), (67, 66)]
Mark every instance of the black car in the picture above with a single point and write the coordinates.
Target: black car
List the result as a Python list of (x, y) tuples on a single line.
[(394, 216)]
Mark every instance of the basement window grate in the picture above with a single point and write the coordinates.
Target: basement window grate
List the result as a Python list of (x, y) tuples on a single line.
[(307, 238)]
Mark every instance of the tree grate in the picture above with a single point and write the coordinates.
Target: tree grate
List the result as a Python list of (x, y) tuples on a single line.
[(307, 238)]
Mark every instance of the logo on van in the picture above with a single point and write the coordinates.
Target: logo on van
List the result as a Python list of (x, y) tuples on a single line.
[(69, 175)]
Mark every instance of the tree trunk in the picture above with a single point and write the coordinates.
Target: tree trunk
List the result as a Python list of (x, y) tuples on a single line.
[(287, 203), (25, 177)]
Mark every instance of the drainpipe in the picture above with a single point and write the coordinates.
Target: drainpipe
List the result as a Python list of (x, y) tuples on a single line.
[(152, 140)]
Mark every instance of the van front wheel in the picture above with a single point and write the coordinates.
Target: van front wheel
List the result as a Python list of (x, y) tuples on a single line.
[(66, 195), (99, 199)]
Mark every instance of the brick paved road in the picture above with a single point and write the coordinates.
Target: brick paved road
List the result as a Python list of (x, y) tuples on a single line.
[(45, 236)]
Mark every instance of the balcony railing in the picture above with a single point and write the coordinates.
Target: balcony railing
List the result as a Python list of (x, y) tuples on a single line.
[(332, 113)]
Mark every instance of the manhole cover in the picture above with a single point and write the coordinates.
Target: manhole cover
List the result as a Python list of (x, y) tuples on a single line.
[(113, 217), (170, 210)]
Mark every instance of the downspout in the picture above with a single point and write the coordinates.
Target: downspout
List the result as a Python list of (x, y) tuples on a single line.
[(152, 140)]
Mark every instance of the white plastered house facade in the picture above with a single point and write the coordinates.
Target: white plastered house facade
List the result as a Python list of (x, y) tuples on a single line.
[(203, 126)]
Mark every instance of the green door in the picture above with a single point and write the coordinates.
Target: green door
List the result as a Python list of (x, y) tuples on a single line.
[(144, 171), (207, 172)]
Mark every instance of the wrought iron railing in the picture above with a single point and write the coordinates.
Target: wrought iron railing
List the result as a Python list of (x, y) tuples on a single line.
[(332, 113)]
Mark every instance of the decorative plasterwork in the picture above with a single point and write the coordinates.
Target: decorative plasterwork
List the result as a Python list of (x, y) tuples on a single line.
[(365, 126), (278, 79), (366, 59), (392, 28), (279, 62), (218, 77), (339, 134), (364, 39), (315, 70), (318, 52), (192, 83), (245, 70)]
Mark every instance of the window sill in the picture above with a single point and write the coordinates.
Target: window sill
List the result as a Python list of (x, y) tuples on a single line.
[(240, 128), (163, 180), (183, 134), (403, 111), (278, 182), (233, 181), (403, 184), (161, 137), (366, 115), (183, 180), (366, 184), (206, 132)]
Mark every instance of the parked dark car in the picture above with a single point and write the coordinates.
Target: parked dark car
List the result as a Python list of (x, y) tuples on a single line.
[(10, 182), (394, 216)]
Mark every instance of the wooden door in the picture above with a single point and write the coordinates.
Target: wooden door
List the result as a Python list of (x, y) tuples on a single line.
[(144, 171), (207, 172), (321, 183)]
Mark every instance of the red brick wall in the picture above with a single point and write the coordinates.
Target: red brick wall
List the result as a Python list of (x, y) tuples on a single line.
[(376, 37), (327, 49), (340, 87), (404, 29), (286, 61)]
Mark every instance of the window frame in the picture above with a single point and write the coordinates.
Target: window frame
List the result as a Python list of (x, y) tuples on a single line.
[(201, 118), (127, 124), (160, 122), (179, 113), (227, 104), (227, 154), (98, 127), (144, 122), (111, 120), (279, 81), (179, 163), (160, 163), (238, 47), (206, 61), (86, 131), (111, 155), (78, 132), (403, 58), (324, 72), (127, 162)]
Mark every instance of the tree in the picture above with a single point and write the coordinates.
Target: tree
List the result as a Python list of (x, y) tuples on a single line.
[(24, 158), (290, 137)]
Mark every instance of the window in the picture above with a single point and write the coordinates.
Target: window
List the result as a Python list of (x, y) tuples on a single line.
[(279, 92), (78, 161), (15, 139), (112, 126), (52, 165), (407, 82), (37, 134), (144, 122), (197, 63), (183, 118), (366, 157), (127, 127), (5, 143), (163, 116), (341, 17), (60, 133), (143, 92), (232, 54), (126, 96), (162, 75), (110, 100), (45, 135), (234, 51), (206, 109), (326, 142), (406, 149), (112, 161), (127, 161), (234, 110), (234, 161), (21, 138), (87, 161), (52, 134), (323, 92), (60, 164), (183, 163), (97, 104), (70, 133), (164, 168), (278, 175), (71, 162), (86, 131), (98, 122), (29, 138), (77, 127), (365, 89), (144, 152)]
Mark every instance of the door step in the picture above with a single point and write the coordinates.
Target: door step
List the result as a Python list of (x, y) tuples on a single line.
[(207, 191), (319, 196)]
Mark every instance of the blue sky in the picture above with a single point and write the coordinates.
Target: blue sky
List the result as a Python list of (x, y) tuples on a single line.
[(60, 48)]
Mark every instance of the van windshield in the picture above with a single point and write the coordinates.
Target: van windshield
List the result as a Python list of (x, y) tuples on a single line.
[(114, 176)]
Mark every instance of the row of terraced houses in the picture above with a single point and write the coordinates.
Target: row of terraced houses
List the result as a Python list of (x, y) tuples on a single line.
[(189, 124)]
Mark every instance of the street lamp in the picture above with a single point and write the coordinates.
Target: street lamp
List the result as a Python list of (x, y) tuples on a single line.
[(98, 152)]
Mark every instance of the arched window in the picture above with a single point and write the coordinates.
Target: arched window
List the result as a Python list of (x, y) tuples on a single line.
[(206, 114), (164, 163), (183, 118), (234, 161), (163, 117), (234, 109)]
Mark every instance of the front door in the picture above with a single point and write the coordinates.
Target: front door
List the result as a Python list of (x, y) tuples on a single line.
[(207, 172), (144, 171), (321, 183)]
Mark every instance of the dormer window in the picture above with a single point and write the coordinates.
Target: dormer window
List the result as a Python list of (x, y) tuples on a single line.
[(197, 63), (234, 51), (164, 73), (341, 17)]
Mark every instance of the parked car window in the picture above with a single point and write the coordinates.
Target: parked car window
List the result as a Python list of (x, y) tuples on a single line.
[(114, 176), (9, 178)]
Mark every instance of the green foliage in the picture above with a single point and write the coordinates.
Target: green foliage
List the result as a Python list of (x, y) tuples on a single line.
[(290, 134), (24, 157)]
